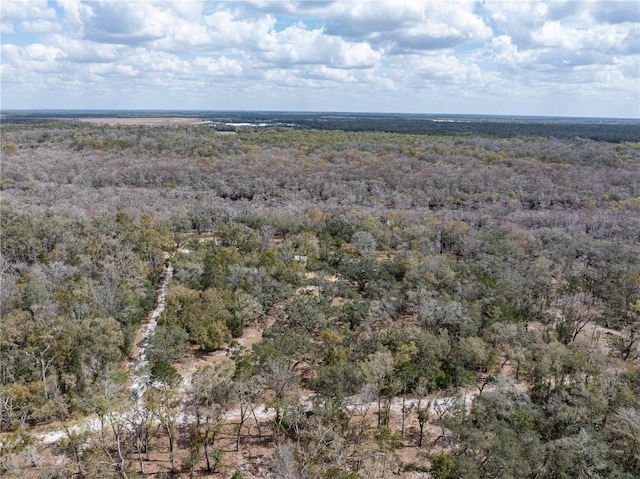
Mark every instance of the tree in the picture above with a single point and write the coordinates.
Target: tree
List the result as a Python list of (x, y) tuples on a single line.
[(75, 443), (246, 309), (204, 315), (437, 314), (576, 313), (364, 242), (627, 344), (337, 381), (423, 415), (151, 238), (625, 428), (362, 271), (406, 374), (443, 466), (110, 402), (139, 424), (247, 391), (377, 370), (164, 403), (284, 463), (168, 344), (280, 377), (581, 455), (210, 393), (44, 364)]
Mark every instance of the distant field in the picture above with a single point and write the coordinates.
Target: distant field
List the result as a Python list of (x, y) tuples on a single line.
[(152, 121)]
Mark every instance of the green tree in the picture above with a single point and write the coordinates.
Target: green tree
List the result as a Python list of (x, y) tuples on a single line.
[(168, 344), (164, 403), (377, 370), (443, 466)]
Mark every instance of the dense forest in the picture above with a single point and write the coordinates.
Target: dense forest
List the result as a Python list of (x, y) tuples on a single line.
[(339, 299)]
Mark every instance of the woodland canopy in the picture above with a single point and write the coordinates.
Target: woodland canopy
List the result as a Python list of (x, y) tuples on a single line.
[(462, 301)]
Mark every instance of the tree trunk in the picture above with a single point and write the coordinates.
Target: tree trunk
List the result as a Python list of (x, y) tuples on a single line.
[(253, 412), (206, 454), (139, 447), (206, 444), (404, 398), (171, 449), (243, 416)]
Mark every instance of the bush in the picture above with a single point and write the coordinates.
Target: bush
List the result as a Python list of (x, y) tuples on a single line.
[(168, 344), (443, 466), (165, 373)]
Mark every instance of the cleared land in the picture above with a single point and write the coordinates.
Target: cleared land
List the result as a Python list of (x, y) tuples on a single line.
[(147, 121)]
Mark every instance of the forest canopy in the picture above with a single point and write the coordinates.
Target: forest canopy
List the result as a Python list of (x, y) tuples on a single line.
[(461, 299)]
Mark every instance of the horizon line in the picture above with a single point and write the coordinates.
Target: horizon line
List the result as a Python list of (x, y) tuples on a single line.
[(308, 112)]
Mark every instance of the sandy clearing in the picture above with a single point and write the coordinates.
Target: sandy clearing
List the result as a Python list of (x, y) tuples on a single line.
[(151, 121)]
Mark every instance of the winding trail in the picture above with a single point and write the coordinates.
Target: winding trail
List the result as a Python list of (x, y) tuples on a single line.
[(139, 365)]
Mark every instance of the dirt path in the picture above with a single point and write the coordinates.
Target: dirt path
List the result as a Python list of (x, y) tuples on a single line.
[(146, 329)]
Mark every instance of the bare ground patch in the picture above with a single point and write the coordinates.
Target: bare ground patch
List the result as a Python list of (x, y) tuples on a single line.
[(151, 121)]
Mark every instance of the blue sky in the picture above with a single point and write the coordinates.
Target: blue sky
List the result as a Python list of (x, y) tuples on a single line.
[(556, 58)]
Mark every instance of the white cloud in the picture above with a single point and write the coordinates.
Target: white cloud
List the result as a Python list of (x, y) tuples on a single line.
[(112, 70), (85, 51), (561, 43), (297, 45), (127, 23), (439, 68), (39, 52), (336, 75), (506, 54), (403, 54), (601, 38), (71, 15), (228, 31), (218, 67), (616, 11), (40, 26), (16, 10), (404, 25), (28, 65)]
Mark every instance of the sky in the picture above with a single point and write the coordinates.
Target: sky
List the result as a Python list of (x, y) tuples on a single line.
[(550, 58)]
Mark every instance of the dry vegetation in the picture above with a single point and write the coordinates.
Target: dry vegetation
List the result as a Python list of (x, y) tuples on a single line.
[(343, 304)]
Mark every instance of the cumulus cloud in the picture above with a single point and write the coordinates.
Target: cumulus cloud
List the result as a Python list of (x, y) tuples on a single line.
[(127, 23), (562, 40), (403, 25), (33, 11), (615, 12), (219, 67), (297, 45), (40, 26), (366, 53), (86, 51), (226, 30)]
